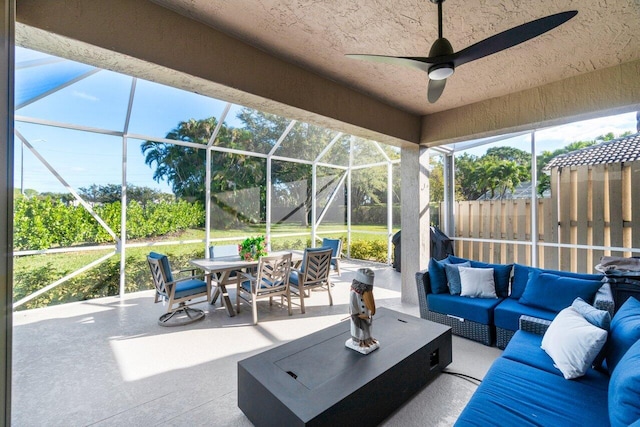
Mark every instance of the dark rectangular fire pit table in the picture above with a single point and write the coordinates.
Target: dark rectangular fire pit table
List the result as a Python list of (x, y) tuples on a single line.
[(316, 380)]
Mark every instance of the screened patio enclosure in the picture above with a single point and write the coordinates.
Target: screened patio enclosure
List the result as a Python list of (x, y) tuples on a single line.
[(110, 167)]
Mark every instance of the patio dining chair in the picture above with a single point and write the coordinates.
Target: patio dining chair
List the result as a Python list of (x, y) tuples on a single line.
[(180, 292), (313, 273), (336, 248), (270, 280)]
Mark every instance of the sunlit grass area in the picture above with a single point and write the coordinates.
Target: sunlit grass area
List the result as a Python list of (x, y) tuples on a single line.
[(33, 272)]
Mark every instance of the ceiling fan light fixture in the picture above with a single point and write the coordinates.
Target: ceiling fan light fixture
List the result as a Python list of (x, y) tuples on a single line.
[(440, 71)]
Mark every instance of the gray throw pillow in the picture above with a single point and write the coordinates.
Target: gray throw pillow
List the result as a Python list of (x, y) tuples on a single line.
[(453, 277)]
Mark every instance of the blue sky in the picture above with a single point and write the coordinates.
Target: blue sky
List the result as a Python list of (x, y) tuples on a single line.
[(100, 101)]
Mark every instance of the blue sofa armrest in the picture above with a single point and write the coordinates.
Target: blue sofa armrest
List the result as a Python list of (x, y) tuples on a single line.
[(604, 299), (423, 283), (534, 325)]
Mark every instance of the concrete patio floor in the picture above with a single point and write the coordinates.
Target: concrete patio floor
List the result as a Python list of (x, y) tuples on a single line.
[(107, 362)]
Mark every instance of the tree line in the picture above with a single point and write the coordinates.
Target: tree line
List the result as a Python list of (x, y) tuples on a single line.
[(499, 171)]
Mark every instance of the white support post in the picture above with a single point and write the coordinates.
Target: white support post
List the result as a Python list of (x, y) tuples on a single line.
[(449, 195), (534, 202), (389, 210), (314, 204), (268, 206), (415, 243), (349, 198), (123, 195), (207, 203)]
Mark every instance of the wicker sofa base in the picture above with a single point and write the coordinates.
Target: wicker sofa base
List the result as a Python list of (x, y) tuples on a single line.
[(503, 336), (465, 328)]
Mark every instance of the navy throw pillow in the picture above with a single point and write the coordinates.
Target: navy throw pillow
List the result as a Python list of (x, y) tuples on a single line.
[(453, 277), (554, 293), (437, 276)]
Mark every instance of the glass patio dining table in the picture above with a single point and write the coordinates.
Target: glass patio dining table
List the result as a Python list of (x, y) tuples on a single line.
[(222, 269)]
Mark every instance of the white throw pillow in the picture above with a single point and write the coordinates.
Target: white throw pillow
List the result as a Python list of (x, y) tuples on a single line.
[(573, 343), (477, 282)]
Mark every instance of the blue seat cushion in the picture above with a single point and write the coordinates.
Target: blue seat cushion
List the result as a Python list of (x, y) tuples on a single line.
[(524, 347), (516, 394), (521, 277), (190, 287), (165, 265), (624, 389), (507, 314), (554, 293), (479, 310), (293, 278), (501, 273), (625, 331), (246, 285)]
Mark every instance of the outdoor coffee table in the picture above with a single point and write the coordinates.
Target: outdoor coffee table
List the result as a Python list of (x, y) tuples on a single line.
[(316, 380)]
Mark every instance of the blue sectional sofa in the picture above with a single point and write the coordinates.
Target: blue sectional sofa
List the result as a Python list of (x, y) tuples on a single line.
[(519, 290), (524, 387)]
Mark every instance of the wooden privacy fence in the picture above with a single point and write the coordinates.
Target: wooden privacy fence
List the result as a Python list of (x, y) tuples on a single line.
[(591, 208)]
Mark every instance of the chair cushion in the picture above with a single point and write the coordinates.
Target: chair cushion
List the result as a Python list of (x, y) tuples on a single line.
[(334, 244), (625, 331), (521, 277), (293, 278), (165, 265), (437, 276), (479, 310), (554, 293), (190, 287), (515, 394), (524, 347), (507, 314), (453, 276), (501, 273), (624, 389), (573, 343), (477, 282)]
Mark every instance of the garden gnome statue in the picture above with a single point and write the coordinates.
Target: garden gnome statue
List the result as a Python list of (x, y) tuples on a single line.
[(362, 307)]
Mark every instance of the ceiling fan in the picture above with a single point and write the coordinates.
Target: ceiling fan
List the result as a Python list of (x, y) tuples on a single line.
[(442, 60)]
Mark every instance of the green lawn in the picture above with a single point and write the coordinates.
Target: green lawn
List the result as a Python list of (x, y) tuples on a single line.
[(36, 271)]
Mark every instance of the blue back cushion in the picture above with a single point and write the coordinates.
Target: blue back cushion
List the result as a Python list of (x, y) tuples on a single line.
[(437, 276), (521, 277), (555, 293), (334, 244), (625, 331), (165, 265), (501, 273), (624, 389)]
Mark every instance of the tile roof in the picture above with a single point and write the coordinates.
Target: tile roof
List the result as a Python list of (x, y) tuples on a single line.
[(625, 149)]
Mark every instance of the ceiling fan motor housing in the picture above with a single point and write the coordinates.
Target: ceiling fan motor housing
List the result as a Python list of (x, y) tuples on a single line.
[(441, 70)]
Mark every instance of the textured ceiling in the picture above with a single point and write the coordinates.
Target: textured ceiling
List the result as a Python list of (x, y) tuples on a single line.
[(315, 34)]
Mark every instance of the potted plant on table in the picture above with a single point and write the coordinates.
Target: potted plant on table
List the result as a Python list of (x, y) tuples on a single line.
[(253, 248)]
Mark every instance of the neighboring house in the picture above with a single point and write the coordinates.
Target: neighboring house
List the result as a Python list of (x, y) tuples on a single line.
[(620, 150), (522, 191)]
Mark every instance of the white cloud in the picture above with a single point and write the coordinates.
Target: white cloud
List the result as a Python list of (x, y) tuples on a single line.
[(86, 96)]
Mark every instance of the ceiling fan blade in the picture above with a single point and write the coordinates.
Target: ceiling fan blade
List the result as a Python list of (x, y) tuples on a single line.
[(418, 63), (436, 87), (512, 37)]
